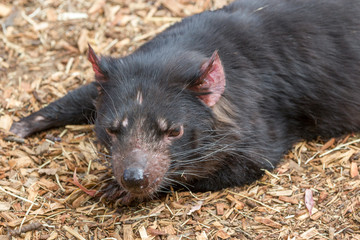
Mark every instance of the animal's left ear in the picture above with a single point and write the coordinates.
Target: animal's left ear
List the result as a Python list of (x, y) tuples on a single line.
[(94, 60), (211, 84)]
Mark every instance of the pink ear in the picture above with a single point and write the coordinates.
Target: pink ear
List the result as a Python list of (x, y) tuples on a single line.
[(95, 63), (212, 80)]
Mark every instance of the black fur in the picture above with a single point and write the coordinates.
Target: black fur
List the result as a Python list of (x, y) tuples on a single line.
[(292, 72), (76, 107)]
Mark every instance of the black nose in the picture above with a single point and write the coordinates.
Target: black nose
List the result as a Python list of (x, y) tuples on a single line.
[(134, 179)]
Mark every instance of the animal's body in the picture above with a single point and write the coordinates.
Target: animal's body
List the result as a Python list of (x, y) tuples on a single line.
[(215, 99)]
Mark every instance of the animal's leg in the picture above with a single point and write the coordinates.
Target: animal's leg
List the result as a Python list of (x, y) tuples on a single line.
[(74, 108)]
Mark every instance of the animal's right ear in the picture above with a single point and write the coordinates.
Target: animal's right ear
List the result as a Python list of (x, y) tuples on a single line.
[(99, 75), (211, 84)]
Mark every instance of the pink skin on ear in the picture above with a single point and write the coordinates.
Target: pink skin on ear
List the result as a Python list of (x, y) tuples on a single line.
[(212, 80), (95, 62)]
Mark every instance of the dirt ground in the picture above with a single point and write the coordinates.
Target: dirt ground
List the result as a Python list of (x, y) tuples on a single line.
[(43, 48)]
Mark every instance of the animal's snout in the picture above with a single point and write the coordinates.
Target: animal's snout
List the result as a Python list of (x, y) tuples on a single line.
[(134, 179)]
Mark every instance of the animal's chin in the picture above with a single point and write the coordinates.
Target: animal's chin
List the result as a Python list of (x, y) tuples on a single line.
[(143, 193)]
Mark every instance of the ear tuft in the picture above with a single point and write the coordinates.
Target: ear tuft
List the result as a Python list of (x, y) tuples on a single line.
[(212, 80), (93, 58)]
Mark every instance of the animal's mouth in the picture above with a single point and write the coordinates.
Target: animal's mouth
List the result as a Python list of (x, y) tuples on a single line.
[(144, 191)]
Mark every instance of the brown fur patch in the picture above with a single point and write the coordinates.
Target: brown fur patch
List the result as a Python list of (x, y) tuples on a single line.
[(224, 113)]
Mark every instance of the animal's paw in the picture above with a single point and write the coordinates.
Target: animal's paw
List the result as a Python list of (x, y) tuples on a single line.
[(21, 129), (30, 124), (113, 192)]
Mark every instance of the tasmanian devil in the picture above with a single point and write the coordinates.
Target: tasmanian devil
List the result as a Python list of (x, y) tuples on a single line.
[(220, 96)]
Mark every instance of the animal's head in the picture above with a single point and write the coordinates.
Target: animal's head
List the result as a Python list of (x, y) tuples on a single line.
[(155, 117)]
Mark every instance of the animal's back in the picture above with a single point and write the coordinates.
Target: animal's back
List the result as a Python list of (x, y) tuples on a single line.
[(315, 57)]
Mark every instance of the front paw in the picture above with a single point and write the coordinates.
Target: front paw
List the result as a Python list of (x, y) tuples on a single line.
[(21, 129), (29, 125)]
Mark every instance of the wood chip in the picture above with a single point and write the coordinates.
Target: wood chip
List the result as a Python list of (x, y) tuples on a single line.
[(316, 216), (238, 205), (222, 234), (354, 171), (66, 16), (327, 144), (323, 196), (6, 122), (83, 40), (331, 233), (174, 6), (4, 206), (292, 200), (5, 10), (51, 15), (128, 233), (42, 148), (281, 193), (73, 232), (22, 162), (98, 4), (155, 232), (143, 233), (302, 215), (312, 232), (201, 236), (220, 209), (196, 207), (267, 222), (157, 209), (48, 171), (169, 229)]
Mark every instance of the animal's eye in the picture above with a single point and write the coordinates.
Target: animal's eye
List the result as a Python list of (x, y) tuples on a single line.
[(112, 131), (115, 126), (175, 132)]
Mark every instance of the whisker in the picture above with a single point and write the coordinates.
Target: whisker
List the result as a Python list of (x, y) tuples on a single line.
[(185, 185)]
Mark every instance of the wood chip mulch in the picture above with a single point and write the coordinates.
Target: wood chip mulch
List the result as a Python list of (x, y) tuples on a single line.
[(313, 194)]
